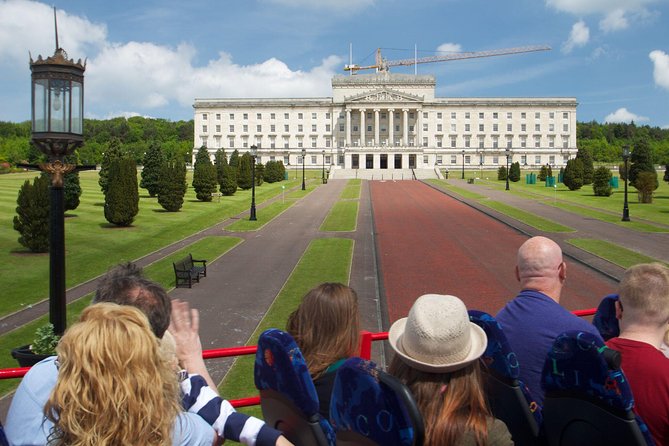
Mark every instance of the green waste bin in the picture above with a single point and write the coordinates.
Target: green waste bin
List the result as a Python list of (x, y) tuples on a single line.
[(285, 175), (614, 182)]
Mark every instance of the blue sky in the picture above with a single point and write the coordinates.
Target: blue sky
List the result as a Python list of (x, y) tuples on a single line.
[(152, 58)]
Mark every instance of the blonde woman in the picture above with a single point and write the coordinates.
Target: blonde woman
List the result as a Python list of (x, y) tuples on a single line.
[(437, 353), (326, 327), (115, 387)]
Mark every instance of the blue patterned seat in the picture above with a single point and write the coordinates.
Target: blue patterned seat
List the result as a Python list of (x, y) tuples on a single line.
[(287, 394), (510, 399), (588, 399), (371, 407), (605, 318)]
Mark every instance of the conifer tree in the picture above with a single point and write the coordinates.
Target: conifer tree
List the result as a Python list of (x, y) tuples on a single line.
[(71, 184), (228, 183), (234, 159), (220, 160), (244, 172), (204, 175), (543, 173), (173, 184), (32, 219), (573, 174), (666, 173), (587, 163), (113, 152), (641, 160), (122, 197), (514, 172), (152, 162), (549, 170), (601, 183), (501, 173)]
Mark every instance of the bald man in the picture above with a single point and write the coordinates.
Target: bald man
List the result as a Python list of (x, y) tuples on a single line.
[(535, 317)]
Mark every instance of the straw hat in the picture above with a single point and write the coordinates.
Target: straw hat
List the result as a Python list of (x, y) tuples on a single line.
[(437, 336)]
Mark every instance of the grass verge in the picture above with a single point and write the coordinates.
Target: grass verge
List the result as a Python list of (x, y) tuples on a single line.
[(611, 252), (161, 271), (351, 190), (607, 217), (342, 217), (458, 190), (325, 260), (530, 219), (264, 216)]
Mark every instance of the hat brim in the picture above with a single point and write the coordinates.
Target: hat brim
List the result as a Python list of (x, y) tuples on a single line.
[(479, 344)]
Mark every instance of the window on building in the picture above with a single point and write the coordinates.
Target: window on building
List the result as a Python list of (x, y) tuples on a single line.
[(286, 116), (218, 128), (509, 142), (481, 142), (468, 159), (232, 129), (453, 127), (232, 116), (439, 143), (272, 116), (551, 143), (440, 159), (537, 115), (272, 143), (204, 141), (425, 115), (314, 116), (495, 127), (454, 159), (245, 144), (453, 141), (369, 128), (300, 116), (551, 115), (313, 127), (537, 159), (300, 144), (424, 141), (551, 127), (509, 115), (523, 160), (495, 115), (438, 115), (565, 127), (259, 128), (397, 128), (495, 143), (411, 115), (426, 159), (300, 128), (245, 128), (313, 142), (328, 142), (425, 127), (523, 127), (453, 115), (286, 160), (204, 116), (523, 115), (439, 127), (467, 142), (313, 159), (272, 128), (467, 128), (523, 142), (327, 115), (551, 159), (537, 127), (481, 127), (341, 127), (231, 142), (467, 115), (286, 128), (537, 141), (245, 116), (411, 128), (509, 127), (481, 115), (258, 115), (204, 129), (355, 128), (286, 144), (565, 115), (218, 116), (327, 127), (495, 159)]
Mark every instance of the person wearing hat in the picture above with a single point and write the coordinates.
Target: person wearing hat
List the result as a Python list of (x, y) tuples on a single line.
[(437, 351)]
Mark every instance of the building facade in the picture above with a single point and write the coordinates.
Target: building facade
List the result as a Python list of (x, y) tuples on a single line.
[(391, 121)]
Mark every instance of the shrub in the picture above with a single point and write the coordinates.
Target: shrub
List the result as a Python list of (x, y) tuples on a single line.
[(114, 151), (172, 185), (601, 184), (585, 157), (45, 341), (260, 173), (220, 161), (573, 174), (666, 173), (228, 182), (244, 172), (646, 183), (204, 175), (32, 219), (274, 171), (641, 160), (71, 185), (543, 173), (122, 197), (152, 163), (501, 173), (514, 172)]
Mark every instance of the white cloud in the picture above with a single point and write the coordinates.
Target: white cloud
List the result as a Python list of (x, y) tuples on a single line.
[(660, 68), (624, 115), (603, 7), (579, 36), (614, 21), (328, 5), (141, 76), (449, 48)]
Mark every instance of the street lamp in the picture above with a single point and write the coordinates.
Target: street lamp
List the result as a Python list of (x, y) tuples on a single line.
[(254, 153), (508, 152), (304, 153), (463, 164), (57, 85), (323, 175), (626, 157)]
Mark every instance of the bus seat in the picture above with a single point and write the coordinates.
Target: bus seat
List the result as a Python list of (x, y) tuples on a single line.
[(605, 318)]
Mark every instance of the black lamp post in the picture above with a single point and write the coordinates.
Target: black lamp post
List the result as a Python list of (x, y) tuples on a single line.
[(463, 164), (254, 153), (508, 153), (304, 153), (57, 91), (323, 175), (626, 157)]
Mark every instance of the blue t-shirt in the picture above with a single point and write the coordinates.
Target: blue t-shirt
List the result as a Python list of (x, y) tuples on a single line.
[(531, 322), (26, 424)]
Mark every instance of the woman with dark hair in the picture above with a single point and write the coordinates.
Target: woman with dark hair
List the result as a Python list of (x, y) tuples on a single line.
[(437, 353), (326, 327)]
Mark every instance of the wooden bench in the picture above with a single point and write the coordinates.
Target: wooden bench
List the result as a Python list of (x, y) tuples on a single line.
[(187, 272)]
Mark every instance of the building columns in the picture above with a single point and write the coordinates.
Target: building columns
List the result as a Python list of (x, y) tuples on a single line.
[(377, 141), (348, 128), (391, 126), (363, 128), (405, 122)]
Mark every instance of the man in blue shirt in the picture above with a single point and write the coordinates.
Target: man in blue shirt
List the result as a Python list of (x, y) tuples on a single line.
[(535, 317)]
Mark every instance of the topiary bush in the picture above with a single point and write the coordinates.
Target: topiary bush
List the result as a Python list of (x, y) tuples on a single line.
[(151, 165), (173, 185), (501, 173), (601, 184), (204, 175), (32, 219), (573, 174), (646, 183), (514, 172), (122, 197)]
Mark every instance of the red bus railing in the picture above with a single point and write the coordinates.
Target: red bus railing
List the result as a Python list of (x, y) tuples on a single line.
[(366, 339)]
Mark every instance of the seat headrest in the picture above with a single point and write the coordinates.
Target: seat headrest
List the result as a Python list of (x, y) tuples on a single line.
[(605, 318), (498, 355)]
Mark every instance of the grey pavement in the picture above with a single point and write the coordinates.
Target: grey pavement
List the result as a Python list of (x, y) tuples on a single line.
[(652, 244)]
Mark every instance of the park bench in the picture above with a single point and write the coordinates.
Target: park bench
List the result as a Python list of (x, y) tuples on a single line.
[(187, 272)]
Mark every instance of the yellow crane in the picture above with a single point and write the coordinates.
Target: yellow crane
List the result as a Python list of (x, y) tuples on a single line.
[(383, 65)]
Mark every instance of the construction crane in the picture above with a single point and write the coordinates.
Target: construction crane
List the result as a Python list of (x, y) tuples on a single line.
[(383, 65)]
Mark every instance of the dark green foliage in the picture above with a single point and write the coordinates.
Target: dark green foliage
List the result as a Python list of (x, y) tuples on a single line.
[(204, 175), (260, 173), (274, 171), (71, 185), (173, 185), (234, 159), (152, 162), (646, 183), (228, 183), (220, 160), (514, 172), (114, 151), (501, 173), (244, 171), (549, 170), (543, 173), (601, 183), (587, 163), (666, 173), (621, 171), (32, 219), (573, 174), (122, 197), (641, 160)]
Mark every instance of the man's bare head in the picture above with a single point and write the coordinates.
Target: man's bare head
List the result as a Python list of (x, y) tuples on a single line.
[(540, 265)]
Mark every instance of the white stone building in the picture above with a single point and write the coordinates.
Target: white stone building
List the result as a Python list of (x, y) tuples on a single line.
[(391, 121)]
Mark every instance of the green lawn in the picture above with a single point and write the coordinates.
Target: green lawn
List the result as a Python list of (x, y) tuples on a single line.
[(209, 248), (342, 217), (530, 219), (458, 190), (613, 253), (92, 245), (325, 260), (351, 190), (263, 216), (608, 217)]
